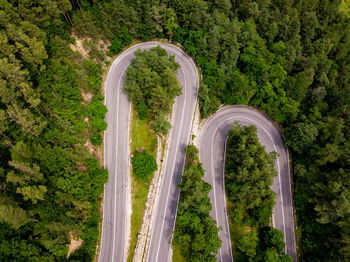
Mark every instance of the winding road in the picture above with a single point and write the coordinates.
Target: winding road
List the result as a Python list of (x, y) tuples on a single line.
[(116, 207), (212, 155)]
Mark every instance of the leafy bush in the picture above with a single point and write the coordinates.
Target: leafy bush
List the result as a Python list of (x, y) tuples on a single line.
[(72, 40), (96, 139), (142, 109), (160, 125), (143, 164), (116, 46), (93, 72), (99, 124), (123, 39), (97, 109)]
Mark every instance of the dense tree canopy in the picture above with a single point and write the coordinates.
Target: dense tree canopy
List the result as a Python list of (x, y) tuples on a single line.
[(152, 85), (143, 164), (249, 175), (289, 58), (50, 183)]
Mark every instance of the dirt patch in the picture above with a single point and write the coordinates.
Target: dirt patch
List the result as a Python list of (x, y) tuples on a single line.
[(87, 96), (89, 147), (103, 46), (96, 151), (75, 243), (79, 47), (81, 167), (196, 127), (248, 229), (101, 208)]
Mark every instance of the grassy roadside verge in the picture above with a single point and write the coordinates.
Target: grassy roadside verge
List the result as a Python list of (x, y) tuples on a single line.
[(142, 138), (177, 255)]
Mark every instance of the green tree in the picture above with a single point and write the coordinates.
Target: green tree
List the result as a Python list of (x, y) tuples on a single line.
[(245, 155), (152, 84), (249, 174), (11, 213), (160, 125), (248, 242), (300, 136), (34, 193), (143, 164), (171, 24), (240, 90), (274, 238)]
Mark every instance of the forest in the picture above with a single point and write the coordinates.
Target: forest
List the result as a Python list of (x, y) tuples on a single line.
[(51, 184), (289, 58)]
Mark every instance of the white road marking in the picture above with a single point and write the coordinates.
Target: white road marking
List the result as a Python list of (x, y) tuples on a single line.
[(225, 210), (171, 178), (214, 191), (116, 168), (183, 165), (175, 51)]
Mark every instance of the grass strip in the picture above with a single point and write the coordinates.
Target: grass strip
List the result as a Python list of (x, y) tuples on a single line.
[(142, 138)]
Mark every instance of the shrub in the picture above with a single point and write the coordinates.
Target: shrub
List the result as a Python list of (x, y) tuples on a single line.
[(123, 39), (143, 164), (142, 109), (160, 125), (96, 139)]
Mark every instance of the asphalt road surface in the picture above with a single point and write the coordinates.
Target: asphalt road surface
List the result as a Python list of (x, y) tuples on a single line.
[(212, 155), (116, 224), (167, 199)]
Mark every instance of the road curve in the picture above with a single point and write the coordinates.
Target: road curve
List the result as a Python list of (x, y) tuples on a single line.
[(116, 224), (212, 155)]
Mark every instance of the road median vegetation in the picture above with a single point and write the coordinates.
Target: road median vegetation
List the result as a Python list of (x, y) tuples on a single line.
[(152, 86), (196, 235), (151, 82), (248, 179), (146, 141)]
